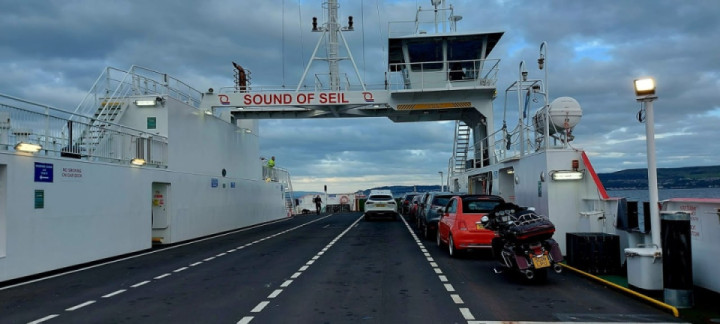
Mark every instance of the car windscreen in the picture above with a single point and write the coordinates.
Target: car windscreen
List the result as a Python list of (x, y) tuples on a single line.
[(381, 197), (479, 206), (441, 201)]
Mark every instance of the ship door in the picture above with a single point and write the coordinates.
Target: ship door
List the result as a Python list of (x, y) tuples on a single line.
[(481, 184), (506, 184), (160, 217)]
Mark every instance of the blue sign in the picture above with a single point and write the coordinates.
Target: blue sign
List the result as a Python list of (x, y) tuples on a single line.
[(43, 172), (232, 184), (214, 182)]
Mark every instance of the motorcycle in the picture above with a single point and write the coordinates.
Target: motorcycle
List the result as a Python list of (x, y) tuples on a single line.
[(523, 241)]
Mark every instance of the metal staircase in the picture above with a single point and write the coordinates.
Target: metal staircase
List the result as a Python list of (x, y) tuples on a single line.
[(109, 112), (461, 146)]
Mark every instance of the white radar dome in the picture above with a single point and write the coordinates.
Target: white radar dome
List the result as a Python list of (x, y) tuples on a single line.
[(565, 113)]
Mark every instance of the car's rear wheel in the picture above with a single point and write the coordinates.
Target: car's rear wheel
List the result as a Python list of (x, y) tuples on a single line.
[(451, 247)]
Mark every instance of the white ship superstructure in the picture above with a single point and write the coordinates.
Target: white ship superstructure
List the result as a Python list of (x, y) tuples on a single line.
[(137, 163)]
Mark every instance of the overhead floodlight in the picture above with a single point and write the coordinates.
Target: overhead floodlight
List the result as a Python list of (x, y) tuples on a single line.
[(146, 103), (644, 87), (138, 161), (566, 175), (28, 147)]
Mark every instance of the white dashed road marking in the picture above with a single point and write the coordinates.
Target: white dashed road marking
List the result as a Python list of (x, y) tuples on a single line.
[(457, 299), (436, 268), (466, 313), (287, 283), (114, 293), (140, 284), (49, 317), (76, 307), (246, 319), (260, 307)]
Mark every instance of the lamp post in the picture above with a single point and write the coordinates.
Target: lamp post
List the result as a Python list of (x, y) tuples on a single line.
[(642, 267), (543, 66), (645, 93), (442, 187)]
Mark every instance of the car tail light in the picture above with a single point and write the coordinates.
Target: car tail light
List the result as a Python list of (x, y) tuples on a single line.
[(368, 203), (462, 225)]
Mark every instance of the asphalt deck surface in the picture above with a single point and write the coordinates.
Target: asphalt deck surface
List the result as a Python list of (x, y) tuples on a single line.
[(315, 269)]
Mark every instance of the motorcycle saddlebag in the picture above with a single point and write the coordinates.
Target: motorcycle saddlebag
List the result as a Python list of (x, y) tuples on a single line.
[(537, 229)]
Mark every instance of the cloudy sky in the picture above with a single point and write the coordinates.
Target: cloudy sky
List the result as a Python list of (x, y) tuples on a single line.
[(51, 51)]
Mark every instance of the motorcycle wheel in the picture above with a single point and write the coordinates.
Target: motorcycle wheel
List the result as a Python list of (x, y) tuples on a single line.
[(438, 240), (541, 275)]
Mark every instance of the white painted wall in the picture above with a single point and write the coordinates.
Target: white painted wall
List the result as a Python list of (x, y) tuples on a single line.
[(99, 210)]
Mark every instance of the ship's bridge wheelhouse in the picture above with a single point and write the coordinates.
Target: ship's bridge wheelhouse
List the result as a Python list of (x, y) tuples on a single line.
[(423, 61)]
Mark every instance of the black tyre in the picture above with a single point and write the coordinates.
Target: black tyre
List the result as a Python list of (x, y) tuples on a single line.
[(540, 275), (455, 253), (438, 240)]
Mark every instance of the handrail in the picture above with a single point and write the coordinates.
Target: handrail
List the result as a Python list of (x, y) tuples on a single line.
[(29, 122), (438, 75)]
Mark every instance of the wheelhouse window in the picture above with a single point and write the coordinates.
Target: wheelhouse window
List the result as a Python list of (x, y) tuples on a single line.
[(464, 55), (427, 55)]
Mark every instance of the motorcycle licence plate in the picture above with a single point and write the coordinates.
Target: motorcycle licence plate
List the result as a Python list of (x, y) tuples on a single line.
[(541, 261)]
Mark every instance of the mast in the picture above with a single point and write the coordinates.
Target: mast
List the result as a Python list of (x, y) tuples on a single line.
[(333, 31), (332, 45)]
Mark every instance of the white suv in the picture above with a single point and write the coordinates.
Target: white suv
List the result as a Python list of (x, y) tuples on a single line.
[(380, 203)]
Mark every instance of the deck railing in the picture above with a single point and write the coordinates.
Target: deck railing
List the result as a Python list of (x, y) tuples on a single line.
[(115, 83), (437, 75), (65, 134)]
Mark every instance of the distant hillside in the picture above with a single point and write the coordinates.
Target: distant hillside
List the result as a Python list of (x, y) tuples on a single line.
[(675, 178), (670, 178), (399, 191)]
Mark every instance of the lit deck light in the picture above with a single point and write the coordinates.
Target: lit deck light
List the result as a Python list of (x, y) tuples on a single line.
[(146, 103), (644, 87), (566, 175), (138, 161), (28, 147)]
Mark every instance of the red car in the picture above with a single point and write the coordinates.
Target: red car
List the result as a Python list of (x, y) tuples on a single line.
[(460, 227), (414, 206)]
